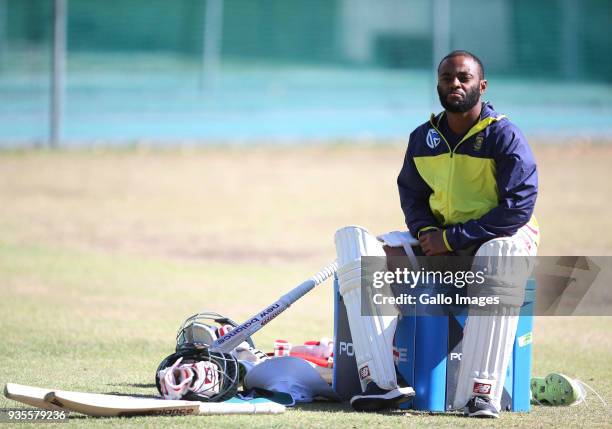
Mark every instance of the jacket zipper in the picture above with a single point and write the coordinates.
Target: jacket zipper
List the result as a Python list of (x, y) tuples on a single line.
[(452, 164), (452, 152)]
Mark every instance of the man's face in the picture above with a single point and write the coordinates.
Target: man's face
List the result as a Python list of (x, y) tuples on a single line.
[(460, 84)]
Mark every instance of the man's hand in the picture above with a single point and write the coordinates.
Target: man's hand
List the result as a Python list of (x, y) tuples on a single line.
[(432, 243)]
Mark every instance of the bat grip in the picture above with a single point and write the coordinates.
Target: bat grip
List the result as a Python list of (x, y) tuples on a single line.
[(318, 278)]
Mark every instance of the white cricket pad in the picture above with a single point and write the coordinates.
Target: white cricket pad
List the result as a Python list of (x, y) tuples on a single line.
[(489, 333), (372, 335), (353, 242)]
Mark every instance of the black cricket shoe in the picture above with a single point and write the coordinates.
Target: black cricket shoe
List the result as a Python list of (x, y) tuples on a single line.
[(375, 399), (480, 407)]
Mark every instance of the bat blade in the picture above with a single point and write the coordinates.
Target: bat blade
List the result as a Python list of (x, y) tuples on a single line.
[(101, 405)]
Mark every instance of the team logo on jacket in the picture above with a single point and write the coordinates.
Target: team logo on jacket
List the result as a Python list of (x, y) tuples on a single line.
[(433, 138)]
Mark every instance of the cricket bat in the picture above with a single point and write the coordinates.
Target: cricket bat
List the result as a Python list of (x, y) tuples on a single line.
[(101, 405)]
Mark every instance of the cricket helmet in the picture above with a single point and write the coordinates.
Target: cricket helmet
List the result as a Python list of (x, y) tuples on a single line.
[(218, 383), (204, 328)]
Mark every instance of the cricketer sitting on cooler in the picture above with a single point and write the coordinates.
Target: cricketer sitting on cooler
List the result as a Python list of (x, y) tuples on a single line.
[(468, 185)]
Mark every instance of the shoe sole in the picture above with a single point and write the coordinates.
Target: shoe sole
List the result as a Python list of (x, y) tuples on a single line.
[(382, 402), (554, 389)]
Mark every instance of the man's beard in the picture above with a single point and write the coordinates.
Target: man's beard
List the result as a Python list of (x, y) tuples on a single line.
[(472, 96)]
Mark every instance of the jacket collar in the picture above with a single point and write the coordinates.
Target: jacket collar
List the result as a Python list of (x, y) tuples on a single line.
[(487, 116)]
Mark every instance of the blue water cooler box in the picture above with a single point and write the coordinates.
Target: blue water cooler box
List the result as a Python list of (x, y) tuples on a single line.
[(430, 349)]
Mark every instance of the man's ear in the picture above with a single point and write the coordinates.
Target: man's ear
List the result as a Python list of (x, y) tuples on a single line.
[(483, 86)]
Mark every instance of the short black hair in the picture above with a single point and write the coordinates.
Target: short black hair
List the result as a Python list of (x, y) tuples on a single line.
[(462, 53)]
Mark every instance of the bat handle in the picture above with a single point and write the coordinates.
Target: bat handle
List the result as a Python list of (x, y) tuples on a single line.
[(326, 272), (318, 278)]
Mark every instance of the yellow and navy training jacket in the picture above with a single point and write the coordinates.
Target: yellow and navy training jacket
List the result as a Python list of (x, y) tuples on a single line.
[(485, 187)]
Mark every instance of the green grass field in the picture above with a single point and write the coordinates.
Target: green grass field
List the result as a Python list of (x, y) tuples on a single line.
[(103, 253)]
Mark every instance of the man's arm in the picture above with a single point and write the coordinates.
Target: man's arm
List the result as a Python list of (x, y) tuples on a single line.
[(517, 182), (414, 196)]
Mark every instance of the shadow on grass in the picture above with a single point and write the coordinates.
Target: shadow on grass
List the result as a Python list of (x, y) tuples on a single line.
[(328, 407), (137, 385), (344, 407), (315, 407)]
